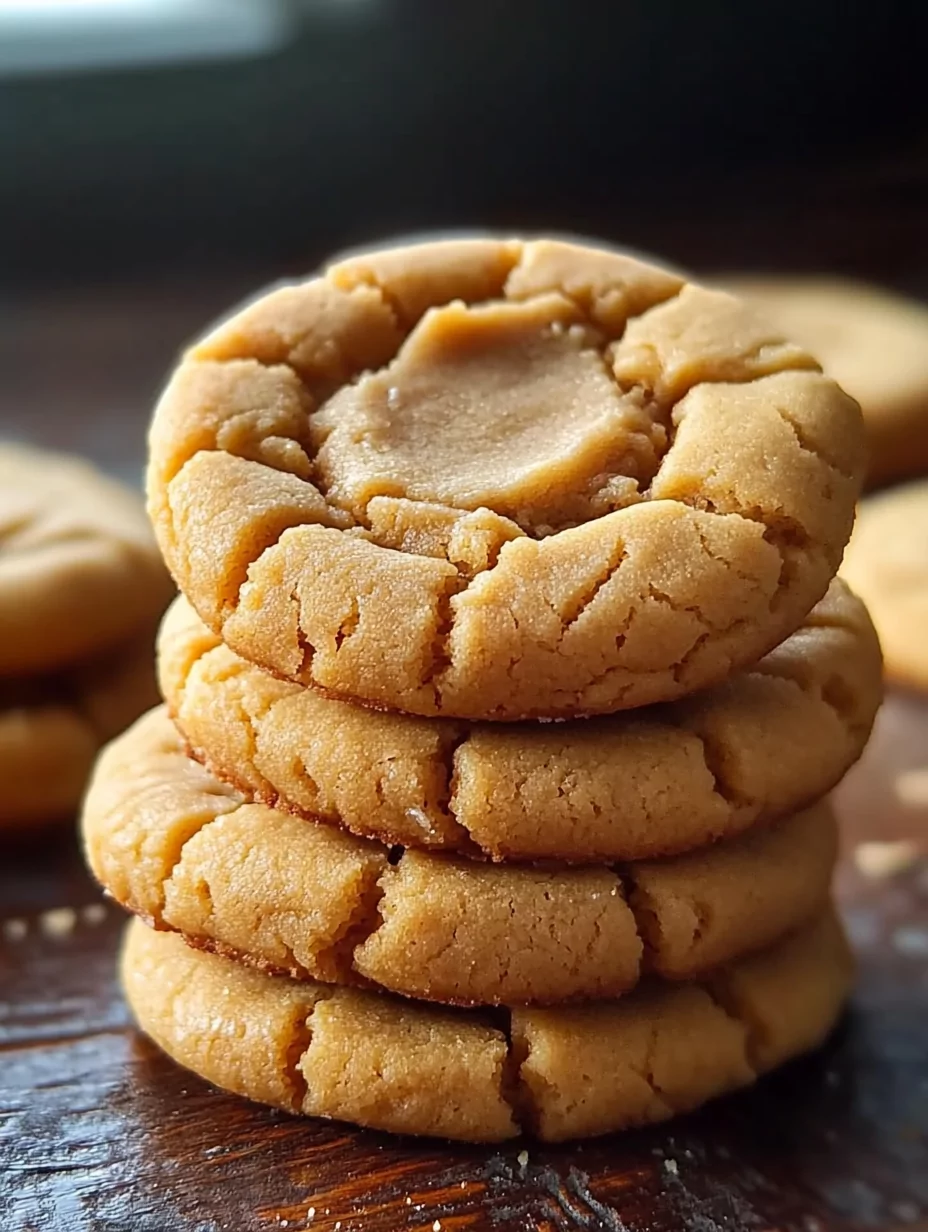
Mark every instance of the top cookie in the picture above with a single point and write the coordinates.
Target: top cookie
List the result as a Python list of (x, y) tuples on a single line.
[(79, 570), (501, 480), (873, 342)]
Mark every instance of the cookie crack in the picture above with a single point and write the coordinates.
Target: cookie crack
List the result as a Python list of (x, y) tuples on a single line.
[(806, 445), (617, 557), (720, 994)]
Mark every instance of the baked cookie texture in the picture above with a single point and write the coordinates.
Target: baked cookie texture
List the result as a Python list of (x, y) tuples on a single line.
[(79, 568), (624, 787), (875, 344), (557, 1074), (186, 853), (51, 728), (887, 561), (502, 480)]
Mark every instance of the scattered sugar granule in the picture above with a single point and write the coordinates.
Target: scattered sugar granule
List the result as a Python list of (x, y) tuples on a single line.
[(912, 787), (522, 1157), (881, 860), (670, 1165), (436, 1226), (59, 922), (409, 1201), (93, 913), (311, 1214), (15, 930)]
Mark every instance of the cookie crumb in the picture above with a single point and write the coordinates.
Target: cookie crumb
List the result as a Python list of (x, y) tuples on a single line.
[(911, 787), (420, 818), (522, 1158), (881, 860), (93, 913), (58, 922), (15, 930), (907, 1212), (912, 942), (670, 1165)]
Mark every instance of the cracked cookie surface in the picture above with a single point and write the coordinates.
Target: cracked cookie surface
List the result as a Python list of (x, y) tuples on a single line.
[(51, 728), (502, 480), (561, 1073), (763, 744), (887, 561), (186, 853), (875, 343), (79, 569)]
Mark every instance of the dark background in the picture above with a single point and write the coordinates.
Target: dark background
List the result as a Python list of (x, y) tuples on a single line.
[(720, 132), (136, 204)]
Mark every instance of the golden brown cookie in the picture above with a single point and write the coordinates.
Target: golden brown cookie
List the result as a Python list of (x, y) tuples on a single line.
[(887, 562), (623, 787), (79, 569), (52, 727), (875, 344), (501, 480), (185, 853), (560, 1073)]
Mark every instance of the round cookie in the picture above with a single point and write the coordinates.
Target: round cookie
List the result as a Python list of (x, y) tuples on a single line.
[(623, 787), (185, 853), (887, 562), (875, 344), (561, 1073), (79, 569), (502, 480), (51, 729)]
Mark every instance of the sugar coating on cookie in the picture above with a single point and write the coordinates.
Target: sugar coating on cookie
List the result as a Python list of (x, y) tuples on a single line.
[(497, 480), (51, 728), (887, 562), (186, 853), (624, 787), (559, 1073), (875, 344), (79, 569)]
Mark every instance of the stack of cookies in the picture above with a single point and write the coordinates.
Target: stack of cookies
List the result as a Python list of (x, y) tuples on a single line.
[(82, 588), (418, 508)]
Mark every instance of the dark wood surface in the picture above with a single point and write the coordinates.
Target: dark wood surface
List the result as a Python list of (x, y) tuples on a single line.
[(100, 1133)]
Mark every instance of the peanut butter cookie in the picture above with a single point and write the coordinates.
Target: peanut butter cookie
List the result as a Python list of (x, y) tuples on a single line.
[(875, 343), (763, 744), (887, 561), (79, 570), (185, 853), (502, 480), (561, 1073), (52, 727)]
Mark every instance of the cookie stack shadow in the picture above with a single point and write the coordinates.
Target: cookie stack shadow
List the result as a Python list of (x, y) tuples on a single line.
[(441, 922)]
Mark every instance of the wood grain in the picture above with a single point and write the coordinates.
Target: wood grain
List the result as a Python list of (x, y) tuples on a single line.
[(98, 1131)]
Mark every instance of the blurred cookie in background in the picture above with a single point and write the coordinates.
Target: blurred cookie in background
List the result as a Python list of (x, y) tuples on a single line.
[(886, 563), (81, 591), (875, 345), (52, 726), (79, 570)]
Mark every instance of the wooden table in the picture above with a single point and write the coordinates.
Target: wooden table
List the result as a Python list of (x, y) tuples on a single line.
[(100, 1133)]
